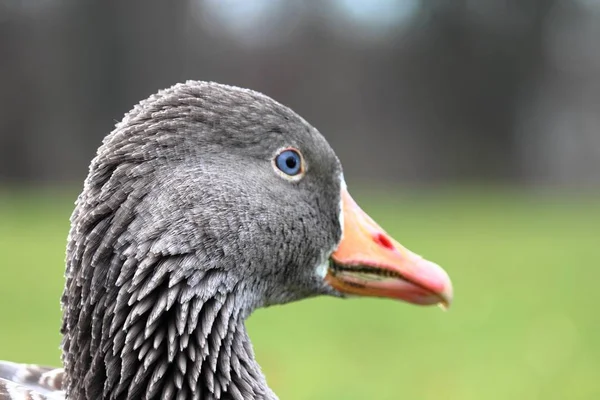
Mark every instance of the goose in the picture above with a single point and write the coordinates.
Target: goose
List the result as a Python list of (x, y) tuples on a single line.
[(206, 202)]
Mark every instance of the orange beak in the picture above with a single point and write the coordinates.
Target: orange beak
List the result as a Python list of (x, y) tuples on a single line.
[(368, 262)]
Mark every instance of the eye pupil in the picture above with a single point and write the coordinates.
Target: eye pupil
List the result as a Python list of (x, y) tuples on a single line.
[(289, 162)]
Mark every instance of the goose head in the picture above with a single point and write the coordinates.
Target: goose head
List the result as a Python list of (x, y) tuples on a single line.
[(206, 202)]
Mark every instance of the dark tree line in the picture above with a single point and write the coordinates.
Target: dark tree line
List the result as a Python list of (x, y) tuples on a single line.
[(435, 99)]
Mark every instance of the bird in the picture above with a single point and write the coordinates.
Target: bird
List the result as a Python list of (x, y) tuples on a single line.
[(205, 203)]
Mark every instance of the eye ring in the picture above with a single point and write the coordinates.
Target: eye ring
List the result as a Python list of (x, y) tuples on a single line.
[(289, 163)]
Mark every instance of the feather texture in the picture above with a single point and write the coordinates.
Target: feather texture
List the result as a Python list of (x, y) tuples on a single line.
[(182, 229), (30, 382)]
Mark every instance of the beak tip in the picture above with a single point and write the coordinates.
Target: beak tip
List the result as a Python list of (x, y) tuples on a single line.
[(447, 296), (447, 293), (438, 281)]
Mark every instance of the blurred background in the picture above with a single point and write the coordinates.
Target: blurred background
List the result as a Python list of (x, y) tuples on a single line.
[(470, 129)]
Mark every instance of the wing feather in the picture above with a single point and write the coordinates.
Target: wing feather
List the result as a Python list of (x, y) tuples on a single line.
[(30, 382)]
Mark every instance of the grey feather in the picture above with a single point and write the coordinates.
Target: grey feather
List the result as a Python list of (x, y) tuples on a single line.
[(30, 382), (182, 229)]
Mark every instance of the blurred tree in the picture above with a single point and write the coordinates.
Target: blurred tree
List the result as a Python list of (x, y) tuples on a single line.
[(434, 95)]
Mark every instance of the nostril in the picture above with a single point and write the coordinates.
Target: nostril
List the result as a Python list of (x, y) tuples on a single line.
[(384, 241)]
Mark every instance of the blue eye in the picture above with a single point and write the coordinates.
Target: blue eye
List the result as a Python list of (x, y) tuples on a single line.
[(289, 162)]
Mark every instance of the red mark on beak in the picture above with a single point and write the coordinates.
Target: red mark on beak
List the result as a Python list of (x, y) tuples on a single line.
[(384, 241)]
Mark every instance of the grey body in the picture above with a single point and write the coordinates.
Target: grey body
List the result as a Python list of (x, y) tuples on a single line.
[(183, 228)]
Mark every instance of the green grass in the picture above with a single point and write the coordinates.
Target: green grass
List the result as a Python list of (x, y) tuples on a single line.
[(526, 270)]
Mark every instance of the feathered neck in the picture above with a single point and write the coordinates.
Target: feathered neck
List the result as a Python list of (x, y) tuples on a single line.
[(148, 312), (163, 336)]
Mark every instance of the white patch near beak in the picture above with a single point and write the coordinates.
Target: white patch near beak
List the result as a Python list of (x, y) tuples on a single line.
[(324, 264), (343, 188), (322, 269)]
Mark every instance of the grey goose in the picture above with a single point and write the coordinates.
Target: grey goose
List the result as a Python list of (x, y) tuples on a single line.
[(205, 203)]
